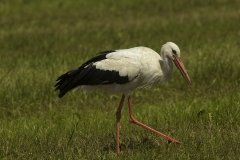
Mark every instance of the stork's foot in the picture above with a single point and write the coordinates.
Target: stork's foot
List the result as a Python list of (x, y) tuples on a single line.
[(173, 141)]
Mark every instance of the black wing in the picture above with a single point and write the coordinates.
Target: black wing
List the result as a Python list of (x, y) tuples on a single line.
[(88, 74)]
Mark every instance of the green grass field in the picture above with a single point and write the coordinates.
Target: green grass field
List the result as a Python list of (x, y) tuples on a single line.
[(40, 40)]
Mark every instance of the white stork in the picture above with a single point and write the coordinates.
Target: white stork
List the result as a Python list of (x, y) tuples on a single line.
[(123, 71)]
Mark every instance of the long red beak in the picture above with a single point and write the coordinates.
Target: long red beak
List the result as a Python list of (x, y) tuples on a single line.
[(178, 62)]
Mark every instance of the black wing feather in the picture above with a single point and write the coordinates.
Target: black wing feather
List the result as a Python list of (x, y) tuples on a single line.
[(88, 74)]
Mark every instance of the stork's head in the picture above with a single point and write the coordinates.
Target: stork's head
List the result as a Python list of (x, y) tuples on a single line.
[(172, 51)]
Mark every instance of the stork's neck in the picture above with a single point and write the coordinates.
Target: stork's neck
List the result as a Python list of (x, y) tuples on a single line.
[(167, 67)]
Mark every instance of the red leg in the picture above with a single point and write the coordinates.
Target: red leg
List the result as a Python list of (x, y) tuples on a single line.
[(118, 117), (133, 120)]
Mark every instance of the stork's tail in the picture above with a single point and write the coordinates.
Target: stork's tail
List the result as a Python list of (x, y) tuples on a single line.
[(66, 82)]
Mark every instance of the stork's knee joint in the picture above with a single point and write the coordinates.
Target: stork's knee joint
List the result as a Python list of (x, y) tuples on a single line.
[(132, 119)]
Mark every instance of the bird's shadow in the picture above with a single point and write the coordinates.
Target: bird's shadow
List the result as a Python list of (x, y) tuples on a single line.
[(132, 144)]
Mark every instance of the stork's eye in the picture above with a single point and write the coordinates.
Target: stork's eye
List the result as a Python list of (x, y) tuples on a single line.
[(173, 51)]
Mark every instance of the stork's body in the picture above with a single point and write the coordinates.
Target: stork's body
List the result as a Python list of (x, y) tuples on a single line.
[(123, 71)]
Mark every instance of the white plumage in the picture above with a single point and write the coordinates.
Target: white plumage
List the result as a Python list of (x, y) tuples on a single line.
[(123, 71), (133, 63)]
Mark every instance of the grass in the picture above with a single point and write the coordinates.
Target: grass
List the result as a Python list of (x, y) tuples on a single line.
[(41, 40)]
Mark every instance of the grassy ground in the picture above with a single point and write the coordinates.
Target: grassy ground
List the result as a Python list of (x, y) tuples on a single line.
[(41, 40)]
